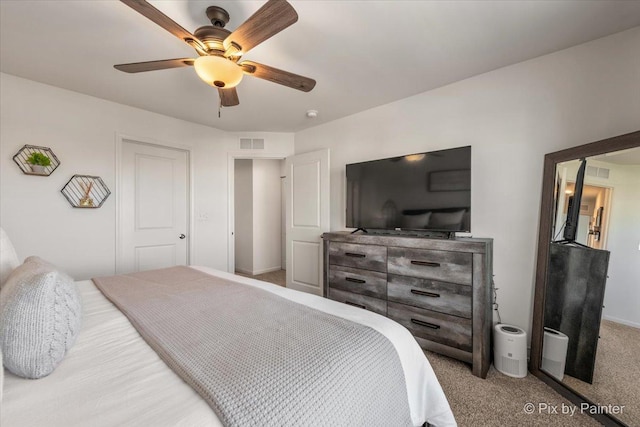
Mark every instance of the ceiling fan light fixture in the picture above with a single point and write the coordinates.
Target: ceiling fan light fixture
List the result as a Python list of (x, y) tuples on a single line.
[(415, 157), (218, 71)]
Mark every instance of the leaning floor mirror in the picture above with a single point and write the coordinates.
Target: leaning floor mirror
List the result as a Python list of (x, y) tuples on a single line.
[(585, 338)]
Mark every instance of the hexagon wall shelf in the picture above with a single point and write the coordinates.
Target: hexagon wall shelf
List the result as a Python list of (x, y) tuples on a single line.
[(85, 191), (25, 152)]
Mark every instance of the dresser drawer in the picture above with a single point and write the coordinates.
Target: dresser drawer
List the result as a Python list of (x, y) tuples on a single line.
[(448, 298), (452, 267), (449, 330), (368, 257), (365, 282), (368, 303)]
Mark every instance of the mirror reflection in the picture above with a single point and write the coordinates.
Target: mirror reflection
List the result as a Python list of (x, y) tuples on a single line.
[(592, 306)]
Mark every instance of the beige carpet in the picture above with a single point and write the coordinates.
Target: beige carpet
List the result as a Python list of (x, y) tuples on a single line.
[(276, 277), (616, 378), (500, 400)]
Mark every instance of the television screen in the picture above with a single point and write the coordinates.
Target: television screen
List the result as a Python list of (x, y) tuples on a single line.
[(424, 191)]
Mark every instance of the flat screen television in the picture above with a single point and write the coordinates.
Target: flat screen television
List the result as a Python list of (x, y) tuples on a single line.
[(573, 210), (423, 191)]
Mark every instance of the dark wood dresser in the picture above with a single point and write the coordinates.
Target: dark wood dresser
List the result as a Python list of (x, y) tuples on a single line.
[(439, 289)]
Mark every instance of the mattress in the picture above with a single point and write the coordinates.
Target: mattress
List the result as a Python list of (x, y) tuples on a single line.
[(111, 377)]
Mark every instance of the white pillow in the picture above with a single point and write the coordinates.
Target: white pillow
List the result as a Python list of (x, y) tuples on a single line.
[(8, 257), (37, 262), (39, 318)]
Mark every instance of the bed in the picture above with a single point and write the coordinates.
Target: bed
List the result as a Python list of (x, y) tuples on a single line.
[(112, 377)]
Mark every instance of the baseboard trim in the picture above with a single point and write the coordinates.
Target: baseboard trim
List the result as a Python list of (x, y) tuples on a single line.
[(257, 272), (622, 321), (267, 270)]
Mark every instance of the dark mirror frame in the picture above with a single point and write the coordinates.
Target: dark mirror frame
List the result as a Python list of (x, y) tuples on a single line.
[(622, 142)]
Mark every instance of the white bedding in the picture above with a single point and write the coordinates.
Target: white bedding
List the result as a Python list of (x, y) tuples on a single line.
[(111, 377)]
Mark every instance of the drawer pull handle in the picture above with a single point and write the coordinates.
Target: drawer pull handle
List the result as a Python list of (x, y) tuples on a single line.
[(426, 263), (427, 324), (355, 255), (355, 305), (351, 279), (425, 293)]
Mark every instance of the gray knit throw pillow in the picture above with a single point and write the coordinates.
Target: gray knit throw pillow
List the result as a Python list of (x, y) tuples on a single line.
[(39, 318)]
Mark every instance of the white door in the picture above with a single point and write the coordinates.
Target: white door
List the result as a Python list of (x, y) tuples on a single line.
[(307, 218), (154, 207)]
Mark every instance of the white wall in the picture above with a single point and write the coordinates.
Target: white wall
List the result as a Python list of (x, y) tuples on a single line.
[(267, 216), (511, 117), (258, 215), (243, 208), (82, 131), (622, 294)]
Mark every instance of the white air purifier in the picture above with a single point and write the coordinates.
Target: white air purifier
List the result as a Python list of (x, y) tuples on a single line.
[(510, 350), (554, 353)]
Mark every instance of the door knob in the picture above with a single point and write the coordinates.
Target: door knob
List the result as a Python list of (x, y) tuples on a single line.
[(182, 236)]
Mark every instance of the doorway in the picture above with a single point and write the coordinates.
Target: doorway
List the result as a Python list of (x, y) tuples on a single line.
[(306, 196), (258, 219), (153, 205), (594, 214)]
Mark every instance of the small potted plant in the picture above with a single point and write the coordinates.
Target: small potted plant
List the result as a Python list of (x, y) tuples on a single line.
[(38, 162)]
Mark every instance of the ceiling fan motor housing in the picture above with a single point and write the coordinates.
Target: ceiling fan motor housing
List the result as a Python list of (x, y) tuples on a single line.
[(212, 38)]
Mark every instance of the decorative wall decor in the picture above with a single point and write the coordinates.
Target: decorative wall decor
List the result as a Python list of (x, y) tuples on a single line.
[(34, 160), (85, 191)]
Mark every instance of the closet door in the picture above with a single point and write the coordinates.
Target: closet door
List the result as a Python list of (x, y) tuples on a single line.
[(307, 216)]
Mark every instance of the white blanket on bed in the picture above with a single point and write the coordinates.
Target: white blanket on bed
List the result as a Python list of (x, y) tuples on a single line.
[(111, 377)]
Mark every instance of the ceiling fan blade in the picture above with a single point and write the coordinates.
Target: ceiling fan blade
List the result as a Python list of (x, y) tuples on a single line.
[(285, 78), (273, 17), (138, 67), (228, 97), (145, 9)]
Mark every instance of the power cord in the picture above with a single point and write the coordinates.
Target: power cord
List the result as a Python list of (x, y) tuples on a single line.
[(495, 300), (559, 231)]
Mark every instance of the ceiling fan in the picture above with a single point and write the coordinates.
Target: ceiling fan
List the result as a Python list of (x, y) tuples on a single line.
[(219, 50)]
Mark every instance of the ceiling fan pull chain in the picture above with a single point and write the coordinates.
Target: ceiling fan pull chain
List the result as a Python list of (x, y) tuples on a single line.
[(219, 107)]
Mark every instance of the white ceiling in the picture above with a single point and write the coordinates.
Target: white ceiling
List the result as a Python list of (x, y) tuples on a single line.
[(362, 53), (630, 157)]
